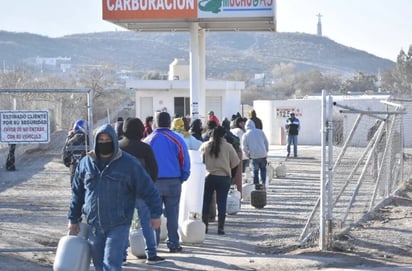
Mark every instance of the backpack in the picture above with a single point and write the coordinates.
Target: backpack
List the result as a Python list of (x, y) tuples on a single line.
[(74, 149)]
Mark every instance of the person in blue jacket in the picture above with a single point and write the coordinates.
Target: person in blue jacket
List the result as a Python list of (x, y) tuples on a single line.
[(173, 160), (105, 186)]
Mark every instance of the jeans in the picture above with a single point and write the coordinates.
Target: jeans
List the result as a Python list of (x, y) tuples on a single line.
[(148, 234), (107, 247), (220, 184), (259, 165), (293, 139), (170, 190)]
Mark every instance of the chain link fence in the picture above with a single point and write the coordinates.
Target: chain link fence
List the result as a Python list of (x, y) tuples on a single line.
[(370, 161)]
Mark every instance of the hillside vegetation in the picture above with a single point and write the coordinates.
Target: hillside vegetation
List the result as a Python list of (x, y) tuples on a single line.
[(226, 53)]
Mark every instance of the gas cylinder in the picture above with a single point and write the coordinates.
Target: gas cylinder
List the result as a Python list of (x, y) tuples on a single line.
[(233, 201), (163, 228), (281, 170), (193, 229), (248, 174), (267, 182), (270, 171), (137, 243), (73, 252), (258, 196), (191, 197), (247, 188)]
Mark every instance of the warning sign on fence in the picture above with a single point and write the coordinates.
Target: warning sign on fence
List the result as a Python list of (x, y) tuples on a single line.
[(25, 126)]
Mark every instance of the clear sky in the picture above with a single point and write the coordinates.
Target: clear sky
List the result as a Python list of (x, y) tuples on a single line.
[(380, 27)]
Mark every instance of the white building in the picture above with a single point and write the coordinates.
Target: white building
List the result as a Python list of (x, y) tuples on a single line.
[(274, 113), (223, 97)]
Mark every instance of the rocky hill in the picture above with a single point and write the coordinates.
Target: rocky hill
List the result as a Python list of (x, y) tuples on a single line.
[(226, 53)]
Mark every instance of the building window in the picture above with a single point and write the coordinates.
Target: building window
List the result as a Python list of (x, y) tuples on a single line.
[(182, 106)]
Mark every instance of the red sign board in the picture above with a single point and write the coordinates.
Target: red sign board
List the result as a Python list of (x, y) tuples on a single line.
[(215, 14)]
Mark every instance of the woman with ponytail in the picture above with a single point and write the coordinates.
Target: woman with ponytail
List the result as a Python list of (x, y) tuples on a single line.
[(220, 158)]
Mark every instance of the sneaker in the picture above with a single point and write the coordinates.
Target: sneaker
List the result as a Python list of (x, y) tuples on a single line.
[(175, 249), (143, 257), (155, 260)]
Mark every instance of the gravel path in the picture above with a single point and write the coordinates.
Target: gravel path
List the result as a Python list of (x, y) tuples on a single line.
[(34, 200)]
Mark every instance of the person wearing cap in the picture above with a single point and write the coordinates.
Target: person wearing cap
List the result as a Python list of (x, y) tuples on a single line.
[(172, 156), (76, 146), (211, 116), (105, 186), (292, 127)]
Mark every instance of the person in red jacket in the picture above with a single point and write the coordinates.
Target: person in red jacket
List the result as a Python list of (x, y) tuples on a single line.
[(148, 126), (212, 116)]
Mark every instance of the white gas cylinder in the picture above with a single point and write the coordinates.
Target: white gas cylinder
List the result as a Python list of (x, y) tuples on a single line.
[(163, 228), (191, 197), (247, 188), (233, 201), (137, 243), (281, 170), (270, 171), (193, 229), (73, 252), (247, 175)]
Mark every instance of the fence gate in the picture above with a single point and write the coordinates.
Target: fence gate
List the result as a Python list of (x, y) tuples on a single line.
[(357, 178)]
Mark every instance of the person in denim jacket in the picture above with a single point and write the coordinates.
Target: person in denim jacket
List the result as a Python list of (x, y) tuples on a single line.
[(105, 186)]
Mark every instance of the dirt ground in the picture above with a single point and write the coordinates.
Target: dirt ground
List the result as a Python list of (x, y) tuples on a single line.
[(34, 201)]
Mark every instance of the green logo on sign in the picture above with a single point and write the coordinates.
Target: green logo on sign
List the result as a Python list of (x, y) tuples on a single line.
[(210, 5)]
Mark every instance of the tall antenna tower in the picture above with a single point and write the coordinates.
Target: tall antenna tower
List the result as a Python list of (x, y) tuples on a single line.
[(319, 24)]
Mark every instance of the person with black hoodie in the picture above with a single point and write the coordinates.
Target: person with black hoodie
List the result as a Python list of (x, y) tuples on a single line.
[(132, 143), (119, 127), (196, 129), (256, 120), (133, 129)]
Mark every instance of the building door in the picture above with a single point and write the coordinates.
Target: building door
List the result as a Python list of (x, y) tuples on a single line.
[(146, 108), (182, 106)]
